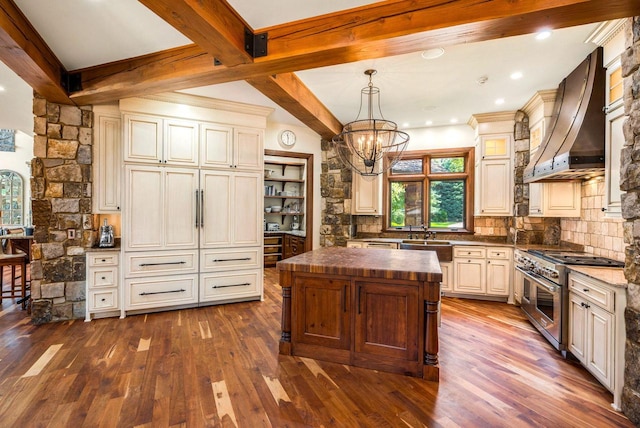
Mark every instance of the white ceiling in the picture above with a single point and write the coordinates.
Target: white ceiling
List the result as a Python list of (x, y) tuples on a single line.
[(83, 33)]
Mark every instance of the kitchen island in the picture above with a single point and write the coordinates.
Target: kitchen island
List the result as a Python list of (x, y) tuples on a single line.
[(372, 308)]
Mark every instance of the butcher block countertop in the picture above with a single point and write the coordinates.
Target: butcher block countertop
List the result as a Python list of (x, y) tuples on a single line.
[(408, 265), (612, 276)]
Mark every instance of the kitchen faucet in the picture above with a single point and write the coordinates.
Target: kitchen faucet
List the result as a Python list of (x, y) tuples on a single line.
[(428, 233), (410, 232)]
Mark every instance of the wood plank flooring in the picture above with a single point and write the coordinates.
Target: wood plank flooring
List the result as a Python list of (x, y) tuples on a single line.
[(219, 366)]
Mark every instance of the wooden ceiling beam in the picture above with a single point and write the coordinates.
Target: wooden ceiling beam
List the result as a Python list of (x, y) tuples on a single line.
[(213, 25), (291, 94), (26, 53), (187, 67)]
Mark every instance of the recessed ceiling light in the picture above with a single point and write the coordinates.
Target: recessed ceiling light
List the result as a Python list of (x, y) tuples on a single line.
[(500, 101), (541, 35), (1, 88), (516, 75), (429, 122), (453, 120), (432, 53), (405, 125)]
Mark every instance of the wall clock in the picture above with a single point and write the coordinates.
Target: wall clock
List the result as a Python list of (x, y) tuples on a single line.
[(287, 138)]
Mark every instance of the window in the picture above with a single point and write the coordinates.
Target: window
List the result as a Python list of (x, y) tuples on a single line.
[(431, 188), (11, 204)]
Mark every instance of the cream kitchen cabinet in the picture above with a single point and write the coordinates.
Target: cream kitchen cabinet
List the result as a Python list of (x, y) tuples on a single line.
[(107, 163), (367, 195), (161, 208), (482, 271), (447, 276), (614, 138), (494, 176), (231, 209), (151, 139), (597, 330), (555, 199), (227, 147), (102, 284), (231, 286), (154, 292)]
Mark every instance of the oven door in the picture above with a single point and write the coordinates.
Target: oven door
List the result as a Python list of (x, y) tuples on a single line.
[(542, 302)]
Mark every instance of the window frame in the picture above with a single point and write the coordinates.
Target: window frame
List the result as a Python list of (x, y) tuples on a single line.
[(14, 214), (426, 176)]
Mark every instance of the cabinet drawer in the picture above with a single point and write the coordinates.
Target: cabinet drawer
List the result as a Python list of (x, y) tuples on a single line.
[(216, 260), (390, 245), (272, 240), (161, 263), (499, 253), (221, 286), (146, 293), (102, 300), (103, 277), (593, 291), (470, 252), (102, 259)]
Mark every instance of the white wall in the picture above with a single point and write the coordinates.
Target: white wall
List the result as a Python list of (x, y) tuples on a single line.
[(307, 141), (440, 137), (19, 161)]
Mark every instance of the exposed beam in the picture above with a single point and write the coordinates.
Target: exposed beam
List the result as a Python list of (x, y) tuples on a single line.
[(26, 53), (213, 25), (393, 32), (291, 94)]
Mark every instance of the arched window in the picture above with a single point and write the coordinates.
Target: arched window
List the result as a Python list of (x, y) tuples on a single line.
[(11, 198)]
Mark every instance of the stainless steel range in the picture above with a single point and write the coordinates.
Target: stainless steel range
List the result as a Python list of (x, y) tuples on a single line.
[(545, 291)]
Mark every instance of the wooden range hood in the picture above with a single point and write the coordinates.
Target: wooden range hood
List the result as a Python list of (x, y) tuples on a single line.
[(574, 145)]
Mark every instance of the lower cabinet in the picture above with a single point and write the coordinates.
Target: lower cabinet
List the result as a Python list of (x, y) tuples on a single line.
[(230, 286), (447, 276), (293, 245), (102, 284), (597, 330), (160, 291), (385, 319), (482, 271)]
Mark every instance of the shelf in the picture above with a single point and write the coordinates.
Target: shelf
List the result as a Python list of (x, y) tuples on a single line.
[(284, 197), (284, 180), (286, 214)]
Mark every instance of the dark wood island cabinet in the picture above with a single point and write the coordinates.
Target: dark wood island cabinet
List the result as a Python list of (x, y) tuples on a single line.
[(372, 308)]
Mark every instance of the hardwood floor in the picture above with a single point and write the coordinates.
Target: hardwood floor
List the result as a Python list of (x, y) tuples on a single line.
[(219, 366)]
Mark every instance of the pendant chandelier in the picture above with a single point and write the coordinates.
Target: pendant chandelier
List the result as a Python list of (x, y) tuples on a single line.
[(364, 144)]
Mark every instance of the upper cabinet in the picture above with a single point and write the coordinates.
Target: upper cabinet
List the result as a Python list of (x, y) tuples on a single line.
[(108, 159), (614, 139), (367, 195), (151, 139), (555, 199), (228, 147), (495, 147)]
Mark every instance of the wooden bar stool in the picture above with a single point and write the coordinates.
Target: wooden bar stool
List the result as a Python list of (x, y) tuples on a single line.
[(12, 261)]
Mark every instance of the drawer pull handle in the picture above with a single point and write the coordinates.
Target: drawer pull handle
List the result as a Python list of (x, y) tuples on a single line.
[(103, 300), (231, 285), (586, 290), (232, 260), (162, 292), (104, 260), (160, 264), (104, 278)]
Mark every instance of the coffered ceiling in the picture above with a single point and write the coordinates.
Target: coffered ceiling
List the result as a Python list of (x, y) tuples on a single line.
[(317, 52)]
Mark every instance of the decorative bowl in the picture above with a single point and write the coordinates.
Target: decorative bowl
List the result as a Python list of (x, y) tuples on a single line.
[(276, 208)]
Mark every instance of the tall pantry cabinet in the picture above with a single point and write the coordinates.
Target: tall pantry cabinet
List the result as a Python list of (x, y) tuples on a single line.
[(192, 207)]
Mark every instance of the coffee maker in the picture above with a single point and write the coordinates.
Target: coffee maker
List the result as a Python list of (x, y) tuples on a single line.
[(106, 236)]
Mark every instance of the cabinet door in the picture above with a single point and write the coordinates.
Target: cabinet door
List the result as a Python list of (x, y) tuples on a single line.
[(322, 314), (367, 195), (469, 276), (248, 149), (180, 185), (142, 139), (535, 199), (577, 327), (145, 208), (387, 320), (495, 187), (180, 142), (498, 277), (447, 276), (495, 146), (216, 145), (107, 164), (561, 199), (614, 138), (600, 334), (217, 202), (247, 209)]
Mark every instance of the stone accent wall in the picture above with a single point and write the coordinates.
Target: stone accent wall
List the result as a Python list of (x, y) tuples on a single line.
[(599, 235), (61, 205), (630, 183), (335, 189)]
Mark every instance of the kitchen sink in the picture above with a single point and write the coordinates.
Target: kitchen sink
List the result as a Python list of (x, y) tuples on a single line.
[(443, 249), (425, 242)]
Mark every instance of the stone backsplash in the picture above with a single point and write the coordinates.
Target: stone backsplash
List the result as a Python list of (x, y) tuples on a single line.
[(598, 234)]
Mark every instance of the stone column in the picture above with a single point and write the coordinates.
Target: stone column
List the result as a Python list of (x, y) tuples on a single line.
[(335, 188), (630, 183), (61, 206)]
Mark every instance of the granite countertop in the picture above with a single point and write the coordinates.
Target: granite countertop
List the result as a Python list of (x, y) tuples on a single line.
[(612, 276), (453, 242), (96, 249), (367, 262), (301, 233)]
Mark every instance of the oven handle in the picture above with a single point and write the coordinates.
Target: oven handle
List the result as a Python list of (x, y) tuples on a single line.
[(542, 281)]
